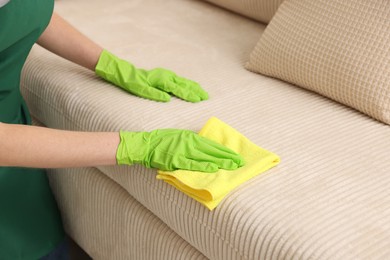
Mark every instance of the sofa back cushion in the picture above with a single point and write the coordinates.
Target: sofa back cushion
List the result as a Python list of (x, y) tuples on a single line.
[(340, 49), (260, 10)]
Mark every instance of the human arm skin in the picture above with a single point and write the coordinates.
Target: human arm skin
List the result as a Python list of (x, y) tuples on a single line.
[(157, 84), (31, 146), (47, 148), (40, 147), (66, 41)]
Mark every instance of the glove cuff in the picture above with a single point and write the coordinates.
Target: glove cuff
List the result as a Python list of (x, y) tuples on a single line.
[(113, 69), (133, 147)]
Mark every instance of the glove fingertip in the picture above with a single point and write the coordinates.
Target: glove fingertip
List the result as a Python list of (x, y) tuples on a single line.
[(203, 95), (204, 167), (193, 99), (166, 98), (162, 97), (211, 168), (239, 160)]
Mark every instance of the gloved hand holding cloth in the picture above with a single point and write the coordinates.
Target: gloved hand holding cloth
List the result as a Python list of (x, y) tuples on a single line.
[(156, 84), (211, 189), (172, 149)]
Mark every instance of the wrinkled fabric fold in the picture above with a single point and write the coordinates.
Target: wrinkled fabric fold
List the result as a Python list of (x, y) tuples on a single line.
[(210, 188)]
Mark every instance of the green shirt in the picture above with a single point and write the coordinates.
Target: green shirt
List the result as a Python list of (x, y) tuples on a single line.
[(30, 224)]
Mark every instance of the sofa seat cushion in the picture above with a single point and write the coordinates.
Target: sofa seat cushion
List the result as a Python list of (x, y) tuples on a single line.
[(109, 223), (260, 10), (329, 196)]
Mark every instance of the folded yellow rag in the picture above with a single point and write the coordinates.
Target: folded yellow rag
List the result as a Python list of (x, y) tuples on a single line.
[(210, 188)]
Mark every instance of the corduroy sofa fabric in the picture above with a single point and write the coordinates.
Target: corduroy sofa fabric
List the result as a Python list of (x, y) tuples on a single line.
[(260, 10), (327, 199), (339, 49), (110, 223), (89, 203)]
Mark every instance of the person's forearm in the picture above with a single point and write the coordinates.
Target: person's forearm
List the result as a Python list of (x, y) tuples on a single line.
[(40, 147), (64, 40)]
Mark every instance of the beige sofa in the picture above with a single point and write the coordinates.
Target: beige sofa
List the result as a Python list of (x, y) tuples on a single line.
[(329, 198)]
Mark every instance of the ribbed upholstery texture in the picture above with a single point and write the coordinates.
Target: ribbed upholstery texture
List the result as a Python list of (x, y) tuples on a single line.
[(109, 223), (339, 49), (260, 10), (329, 198)]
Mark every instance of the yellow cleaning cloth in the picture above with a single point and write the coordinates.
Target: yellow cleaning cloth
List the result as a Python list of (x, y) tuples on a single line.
[(210, 188)]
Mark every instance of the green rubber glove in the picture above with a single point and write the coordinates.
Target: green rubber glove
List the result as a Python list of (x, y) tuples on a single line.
[(154, 84), (172, 149)]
